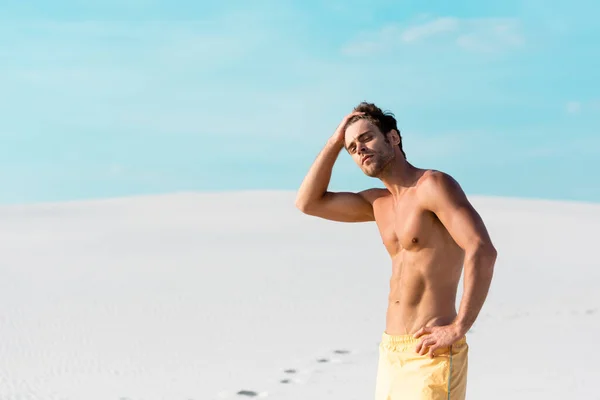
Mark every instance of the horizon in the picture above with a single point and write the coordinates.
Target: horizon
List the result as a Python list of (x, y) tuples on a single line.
[(134, 99), (242, 193)]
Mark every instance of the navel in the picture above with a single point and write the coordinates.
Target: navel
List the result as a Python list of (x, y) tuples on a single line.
[(415, 240)]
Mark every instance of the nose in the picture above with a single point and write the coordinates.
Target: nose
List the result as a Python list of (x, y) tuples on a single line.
[(360, 148)]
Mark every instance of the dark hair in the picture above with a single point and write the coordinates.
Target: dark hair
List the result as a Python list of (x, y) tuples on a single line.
[(385, 121)]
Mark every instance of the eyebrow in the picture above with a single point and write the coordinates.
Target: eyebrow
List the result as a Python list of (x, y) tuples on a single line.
[(359, 137)]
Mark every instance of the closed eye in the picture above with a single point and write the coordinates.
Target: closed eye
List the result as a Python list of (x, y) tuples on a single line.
[(365, 137)]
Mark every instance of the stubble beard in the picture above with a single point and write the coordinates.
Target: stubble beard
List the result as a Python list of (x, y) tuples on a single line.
[(379, 163)]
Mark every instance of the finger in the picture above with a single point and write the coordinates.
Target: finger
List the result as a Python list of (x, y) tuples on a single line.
[(432, 349), (426, 347), (354, 114), (421, 345), (343, 125), (425, 344), (424, 330)]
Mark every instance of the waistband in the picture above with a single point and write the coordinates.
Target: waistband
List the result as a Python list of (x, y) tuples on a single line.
[(408, 340)]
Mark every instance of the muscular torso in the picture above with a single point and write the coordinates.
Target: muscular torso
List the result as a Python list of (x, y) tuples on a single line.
[(426, 264)]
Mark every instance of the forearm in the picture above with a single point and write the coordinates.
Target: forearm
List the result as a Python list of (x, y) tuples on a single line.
[(316, 181), (479, 269)]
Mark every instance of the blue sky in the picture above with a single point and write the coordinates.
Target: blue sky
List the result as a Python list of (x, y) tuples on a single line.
[(140, 97)]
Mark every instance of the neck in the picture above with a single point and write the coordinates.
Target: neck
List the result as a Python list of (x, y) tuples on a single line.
[(399, 176)]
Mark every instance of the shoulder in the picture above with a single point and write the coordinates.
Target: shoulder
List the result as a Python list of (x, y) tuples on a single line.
[(436, 180), (373, 194), (435, 186)]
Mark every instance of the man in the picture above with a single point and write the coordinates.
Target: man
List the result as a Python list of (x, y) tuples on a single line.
[(430, 230)]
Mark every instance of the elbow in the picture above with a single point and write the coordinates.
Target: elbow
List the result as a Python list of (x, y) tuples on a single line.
[(485, 252), (304, 206), (300, 202), (488, 250), (307, 205)]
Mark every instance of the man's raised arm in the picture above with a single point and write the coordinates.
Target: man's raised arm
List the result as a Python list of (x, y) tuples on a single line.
[(313, 198)]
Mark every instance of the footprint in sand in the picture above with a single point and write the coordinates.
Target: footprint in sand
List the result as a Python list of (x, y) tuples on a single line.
[(341, 352), (292, 376), (336, 360), (289, 372), (242, 394), (309, 371), (248, 393)]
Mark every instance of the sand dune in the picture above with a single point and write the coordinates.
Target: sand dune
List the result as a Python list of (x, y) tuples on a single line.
[(239, 295)]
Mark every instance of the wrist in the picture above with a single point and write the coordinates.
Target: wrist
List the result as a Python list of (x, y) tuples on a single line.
[(461, 327), (335, 143)]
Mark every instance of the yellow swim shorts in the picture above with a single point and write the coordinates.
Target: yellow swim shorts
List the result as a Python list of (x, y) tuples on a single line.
[(403, 374)]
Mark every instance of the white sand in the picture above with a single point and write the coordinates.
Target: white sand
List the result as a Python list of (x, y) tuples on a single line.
[(200, 296)]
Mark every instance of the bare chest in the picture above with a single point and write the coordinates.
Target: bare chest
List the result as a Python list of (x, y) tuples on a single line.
[(403, 226)]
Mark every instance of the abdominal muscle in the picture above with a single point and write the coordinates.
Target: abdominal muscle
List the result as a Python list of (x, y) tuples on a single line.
[(422, 291)]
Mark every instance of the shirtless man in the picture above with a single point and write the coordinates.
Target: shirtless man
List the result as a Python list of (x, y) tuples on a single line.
[(430, 231)]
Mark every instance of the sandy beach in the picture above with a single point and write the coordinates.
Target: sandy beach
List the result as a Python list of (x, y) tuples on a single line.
[(239, 295)]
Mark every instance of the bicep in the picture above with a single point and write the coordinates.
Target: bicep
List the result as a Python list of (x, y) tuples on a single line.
[(451, 205), (465, 224), (343, 207)]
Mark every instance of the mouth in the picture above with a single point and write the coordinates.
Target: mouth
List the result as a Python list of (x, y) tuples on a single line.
[(364, 159)]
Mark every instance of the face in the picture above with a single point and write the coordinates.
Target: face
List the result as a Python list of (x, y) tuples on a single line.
[(368, 147)]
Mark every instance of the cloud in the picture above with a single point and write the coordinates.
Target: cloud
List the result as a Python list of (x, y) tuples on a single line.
[(490, 35), (573, 107), (423, 31), (475, 35), (91, 75), (581, 146), (115, 169), (373, 42), (48, 44), (578, 107), (429, 148)]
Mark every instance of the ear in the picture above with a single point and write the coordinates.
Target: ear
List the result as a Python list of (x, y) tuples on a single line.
[(394, 137)]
